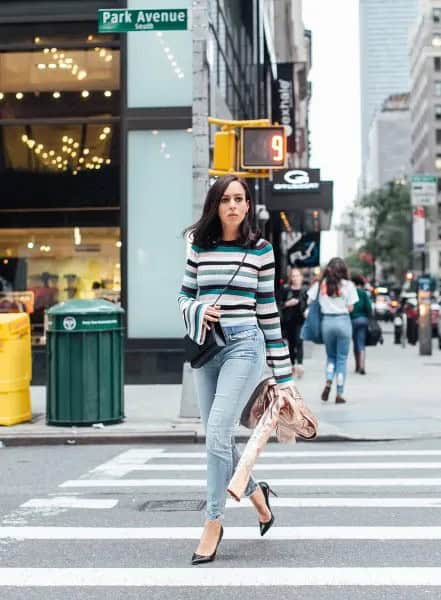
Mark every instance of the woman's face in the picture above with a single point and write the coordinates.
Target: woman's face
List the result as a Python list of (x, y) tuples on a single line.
[(233, 206), (296, 278)]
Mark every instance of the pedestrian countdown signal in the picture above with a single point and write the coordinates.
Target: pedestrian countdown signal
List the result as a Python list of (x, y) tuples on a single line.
[(260, 148), (263, 147)]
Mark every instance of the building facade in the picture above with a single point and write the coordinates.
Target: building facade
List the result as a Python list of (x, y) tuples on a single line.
[(384, 62), (389, 143), (105, 149), (425, 107)]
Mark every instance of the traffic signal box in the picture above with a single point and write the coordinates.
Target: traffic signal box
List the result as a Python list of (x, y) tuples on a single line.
[(225, 150), (259, 148)]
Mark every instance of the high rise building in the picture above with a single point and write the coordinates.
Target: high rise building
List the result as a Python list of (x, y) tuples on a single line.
[(384, 62), (425, 112), (389, 143)]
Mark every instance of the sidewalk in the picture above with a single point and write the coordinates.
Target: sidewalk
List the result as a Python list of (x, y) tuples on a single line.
[(399, 398)]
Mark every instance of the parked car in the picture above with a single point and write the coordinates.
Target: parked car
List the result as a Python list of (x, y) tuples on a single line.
[(382, 307), (439, 331), (435, 313)]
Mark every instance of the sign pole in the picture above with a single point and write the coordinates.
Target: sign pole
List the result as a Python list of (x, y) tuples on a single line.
[(424, 316)]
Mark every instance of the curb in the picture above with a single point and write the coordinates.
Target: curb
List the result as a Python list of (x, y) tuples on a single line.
[(170, 437)]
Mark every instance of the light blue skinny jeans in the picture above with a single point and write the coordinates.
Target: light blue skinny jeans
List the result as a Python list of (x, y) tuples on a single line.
[(337, 333), (223, 386)]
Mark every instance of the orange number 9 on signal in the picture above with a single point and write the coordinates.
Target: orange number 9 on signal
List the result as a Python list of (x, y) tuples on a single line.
[(277, 146)]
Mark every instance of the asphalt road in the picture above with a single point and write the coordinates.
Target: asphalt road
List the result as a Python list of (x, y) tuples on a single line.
[(353, 520)]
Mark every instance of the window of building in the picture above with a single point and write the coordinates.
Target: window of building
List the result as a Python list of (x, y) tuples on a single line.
[(437, 63), (438, 136), (438, 111), (59, 167), (438, 162), (436, 15), (436, 40), (437, 88)]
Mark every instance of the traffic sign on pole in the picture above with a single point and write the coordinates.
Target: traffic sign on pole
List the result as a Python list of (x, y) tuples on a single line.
[(424, 190), (123, 20)]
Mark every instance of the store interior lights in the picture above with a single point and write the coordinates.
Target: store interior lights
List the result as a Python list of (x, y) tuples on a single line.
[(62, 62), (71, 148), (77, 236)]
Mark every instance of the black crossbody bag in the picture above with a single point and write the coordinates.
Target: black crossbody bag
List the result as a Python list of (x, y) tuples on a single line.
[(197, 355)]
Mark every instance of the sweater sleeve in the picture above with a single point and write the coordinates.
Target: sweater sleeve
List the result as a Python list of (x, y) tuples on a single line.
[(192, 310), (277, 355)]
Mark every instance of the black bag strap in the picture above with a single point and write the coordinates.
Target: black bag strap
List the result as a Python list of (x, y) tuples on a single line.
[(231, 280)]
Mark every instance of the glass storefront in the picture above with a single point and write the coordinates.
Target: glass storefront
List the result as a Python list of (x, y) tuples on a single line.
[(59, 167)]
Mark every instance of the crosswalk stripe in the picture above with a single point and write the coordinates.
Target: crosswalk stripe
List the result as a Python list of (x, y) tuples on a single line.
[(223, 577), (343, 503), (70, 502), (231, 533), (314, 453), (120, 470), (318, 482)]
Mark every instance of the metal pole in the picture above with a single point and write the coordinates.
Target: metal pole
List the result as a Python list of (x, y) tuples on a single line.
[(424, 317)]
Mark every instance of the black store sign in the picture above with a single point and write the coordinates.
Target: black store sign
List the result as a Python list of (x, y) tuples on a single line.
[(299, 189), (283, 102), (305, 252)]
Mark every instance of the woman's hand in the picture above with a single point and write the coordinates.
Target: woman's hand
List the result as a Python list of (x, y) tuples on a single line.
[(212, 314), (292, 302)]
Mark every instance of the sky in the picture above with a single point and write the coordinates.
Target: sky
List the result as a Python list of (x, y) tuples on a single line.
[(335, 104)]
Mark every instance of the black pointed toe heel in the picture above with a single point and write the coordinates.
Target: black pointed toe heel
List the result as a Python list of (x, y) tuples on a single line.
[(200, 559), (264, 527)]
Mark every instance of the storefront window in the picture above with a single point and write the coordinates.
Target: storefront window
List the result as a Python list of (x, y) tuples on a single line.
[(56, 264), (159, 208), (59, 167), (164, 57)]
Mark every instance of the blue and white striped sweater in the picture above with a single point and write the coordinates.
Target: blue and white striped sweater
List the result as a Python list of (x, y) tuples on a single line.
[(249, 299)]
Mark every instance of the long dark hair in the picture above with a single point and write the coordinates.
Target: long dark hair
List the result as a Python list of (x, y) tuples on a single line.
[(335, 271), (207, 231)]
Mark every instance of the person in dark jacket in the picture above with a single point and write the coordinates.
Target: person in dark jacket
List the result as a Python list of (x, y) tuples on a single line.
[(360, 318), (293, 302)]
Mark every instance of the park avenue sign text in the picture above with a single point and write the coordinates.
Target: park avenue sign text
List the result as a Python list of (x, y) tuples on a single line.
[(126, 20)]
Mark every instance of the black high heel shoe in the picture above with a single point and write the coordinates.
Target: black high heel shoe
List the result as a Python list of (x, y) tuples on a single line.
[(264, 527), (200, 559)]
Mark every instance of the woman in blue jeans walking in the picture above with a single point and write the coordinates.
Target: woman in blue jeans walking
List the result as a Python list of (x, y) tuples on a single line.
[(224, 239), (337, 296)]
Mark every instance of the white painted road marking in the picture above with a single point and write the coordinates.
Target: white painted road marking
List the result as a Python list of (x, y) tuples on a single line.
[(319, 482), (315, 453), (70, 502), (222, 577), (232, 533), (121, 470), (343, 503)]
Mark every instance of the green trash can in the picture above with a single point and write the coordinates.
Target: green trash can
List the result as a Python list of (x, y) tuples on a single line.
[(85, 363)]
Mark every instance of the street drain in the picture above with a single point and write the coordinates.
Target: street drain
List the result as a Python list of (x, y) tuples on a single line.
[(172, 505)]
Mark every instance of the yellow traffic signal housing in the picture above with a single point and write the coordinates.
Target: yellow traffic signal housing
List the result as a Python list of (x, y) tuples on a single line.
[(225, 150)]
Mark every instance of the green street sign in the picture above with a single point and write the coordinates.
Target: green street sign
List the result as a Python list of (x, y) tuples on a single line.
[(122, 20), (424, 179)]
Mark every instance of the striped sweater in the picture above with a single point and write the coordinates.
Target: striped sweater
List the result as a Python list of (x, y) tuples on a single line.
[(248, 300)]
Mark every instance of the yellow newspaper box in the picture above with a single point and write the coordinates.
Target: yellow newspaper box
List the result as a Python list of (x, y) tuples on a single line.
[(15, 368)]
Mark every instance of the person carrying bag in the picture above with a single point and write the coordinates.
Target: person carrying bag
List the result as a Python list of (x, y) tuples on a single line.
[(225, 243)]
